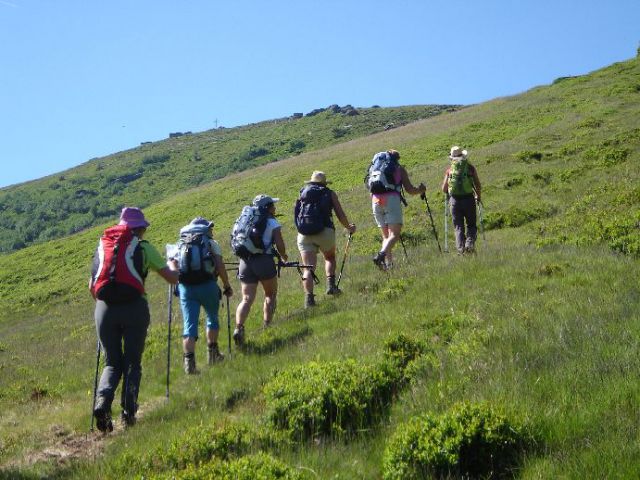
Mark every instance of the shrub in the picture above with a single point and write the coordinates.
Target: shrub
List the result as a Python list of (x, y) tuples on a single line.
[(516, 217), (469, 441), (336, 398), (252, 467), (528, 156), (196, 446), (401, 350)]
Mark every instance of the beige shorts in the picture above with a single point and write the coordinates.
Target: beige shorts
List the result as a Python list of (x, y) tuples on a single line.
[(323, 241), (389, 213)]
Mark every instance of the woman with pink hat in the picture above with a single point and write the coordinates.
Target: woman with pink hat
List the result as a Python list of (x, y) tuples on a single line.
[(121, 264)]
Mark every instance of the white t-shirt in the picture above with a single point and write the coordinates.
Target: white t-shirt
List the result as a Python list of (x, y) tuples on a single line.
[(267, 236)]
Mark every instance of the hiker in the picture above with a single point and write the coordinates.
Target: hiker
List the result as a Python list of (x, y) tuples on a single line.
[(316, 231), (385, 180), (260, 267), (200, 263), (121, 263), (462, 185)]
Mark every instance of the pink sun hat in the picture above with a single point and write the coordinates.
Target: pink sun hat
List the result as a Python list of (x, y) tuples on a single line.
[(133, 217)]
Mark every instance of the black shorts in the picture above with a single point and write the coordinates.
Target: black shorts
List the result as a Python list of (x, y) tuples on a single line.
[(257, 268)]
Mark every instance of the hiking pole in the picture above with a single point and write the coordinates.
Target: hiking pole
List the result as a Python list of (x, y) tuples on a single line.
[(229, 325), (433, 225), (480, 209), (344, 259), (169, 337), (95, 381), (406, 257), (446, 223)]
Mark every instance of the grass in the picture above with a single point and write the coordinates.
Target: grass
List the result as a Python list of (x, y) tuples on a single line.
[(541, 324)]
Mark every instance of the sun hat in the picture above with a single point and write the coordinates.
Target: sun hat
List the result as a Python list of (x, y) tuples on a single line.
[(263, 200), (318, 177), (202, 221), (457, 152), (133, 217)]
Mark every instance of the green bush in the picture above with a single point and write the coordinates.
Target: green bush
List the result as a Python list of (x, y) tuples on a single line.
[(334, 398), (195, 446), (252, 467), (516, 217), (401, 350), (469, 441)]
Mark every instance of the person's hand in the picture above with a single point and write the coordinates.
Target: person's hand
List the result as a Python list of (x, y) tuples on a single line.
[(351, 228), (228, 291), (285, 257), (422, 187)]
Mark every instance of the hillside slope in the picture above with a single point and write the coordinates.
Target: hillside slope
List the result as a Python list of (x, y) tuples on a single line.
[(92, 193), (542, 324)]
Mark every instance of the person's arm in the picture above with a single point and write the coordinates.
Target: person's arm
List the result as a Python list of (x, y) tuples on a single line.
[(169, 270), (408, 186), (169, 273), (279, 242), (342, 217), (476, 183), (445, 182), (222, 273)]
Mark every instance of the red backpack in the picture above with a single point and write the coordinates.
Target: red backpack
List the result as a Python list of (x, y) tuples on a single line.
[(117, 273)]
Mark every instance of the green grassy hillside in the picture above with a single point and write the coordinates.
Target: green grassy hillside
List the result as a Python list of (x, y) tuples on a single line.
[(541, 325), (92, 193)]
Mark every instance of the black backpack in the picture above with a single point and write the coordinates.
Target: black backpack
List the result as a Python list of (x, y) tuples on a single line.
[(312, 212), (246, 235), (195, 258), (380, 175)]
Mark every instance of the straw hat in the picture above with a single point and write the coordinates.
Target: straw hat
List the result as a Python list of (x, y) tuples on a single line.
[(318, 177), (457, 152)]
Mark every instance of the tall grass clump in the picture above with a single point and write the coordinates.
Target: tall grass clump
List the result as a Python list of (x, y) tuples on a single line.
[(470, 441), (333, 398)]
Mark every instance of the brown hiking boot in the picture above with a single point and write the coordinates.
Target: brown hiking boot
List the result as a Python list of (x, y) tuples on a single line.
[(238, 335), (379, 260), (332, 289), (214, 355), (190, 363), (102, 414), (309, 300)]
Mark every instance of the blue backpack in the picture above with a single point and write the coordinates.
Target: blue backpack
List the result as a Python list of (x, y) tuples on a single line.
[(381, 172), (312, 212)]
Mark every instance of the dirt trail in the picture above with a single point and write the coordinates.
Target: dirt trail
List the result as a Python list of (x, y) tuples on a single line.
[(62, 447)]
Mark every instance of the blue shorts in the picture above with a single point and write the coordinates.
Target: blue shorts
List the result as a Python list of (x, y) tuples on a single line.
[(192, 297)]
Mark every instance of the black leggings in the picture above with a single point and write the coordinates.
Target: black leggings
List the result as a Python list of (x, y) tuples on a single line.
[(122, 329)]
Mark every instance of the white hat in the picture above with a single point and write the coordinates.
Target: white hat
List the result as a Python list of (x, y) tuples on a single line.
[(457, 152)]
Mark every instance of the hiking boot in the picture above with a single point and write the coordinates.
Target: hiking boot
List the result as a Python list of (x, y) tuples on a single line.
[(332, 289), (189, 363), (214, 355), (238, 335), (309, 300), (128, 419), (102, 414), (379, 260)]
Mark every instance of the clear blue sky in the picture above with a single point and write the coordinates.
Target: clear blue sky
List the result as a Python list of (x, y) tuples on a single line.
[(85, 78)]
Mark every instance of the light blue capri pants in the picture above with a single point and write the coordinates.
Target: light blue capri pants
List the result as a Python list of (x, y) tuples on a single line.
[(192, 297)]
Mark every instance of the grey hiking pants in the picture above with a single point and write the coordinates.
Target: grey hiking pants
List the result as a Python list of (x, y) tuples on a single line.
[(122, 329), (463, 209)]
